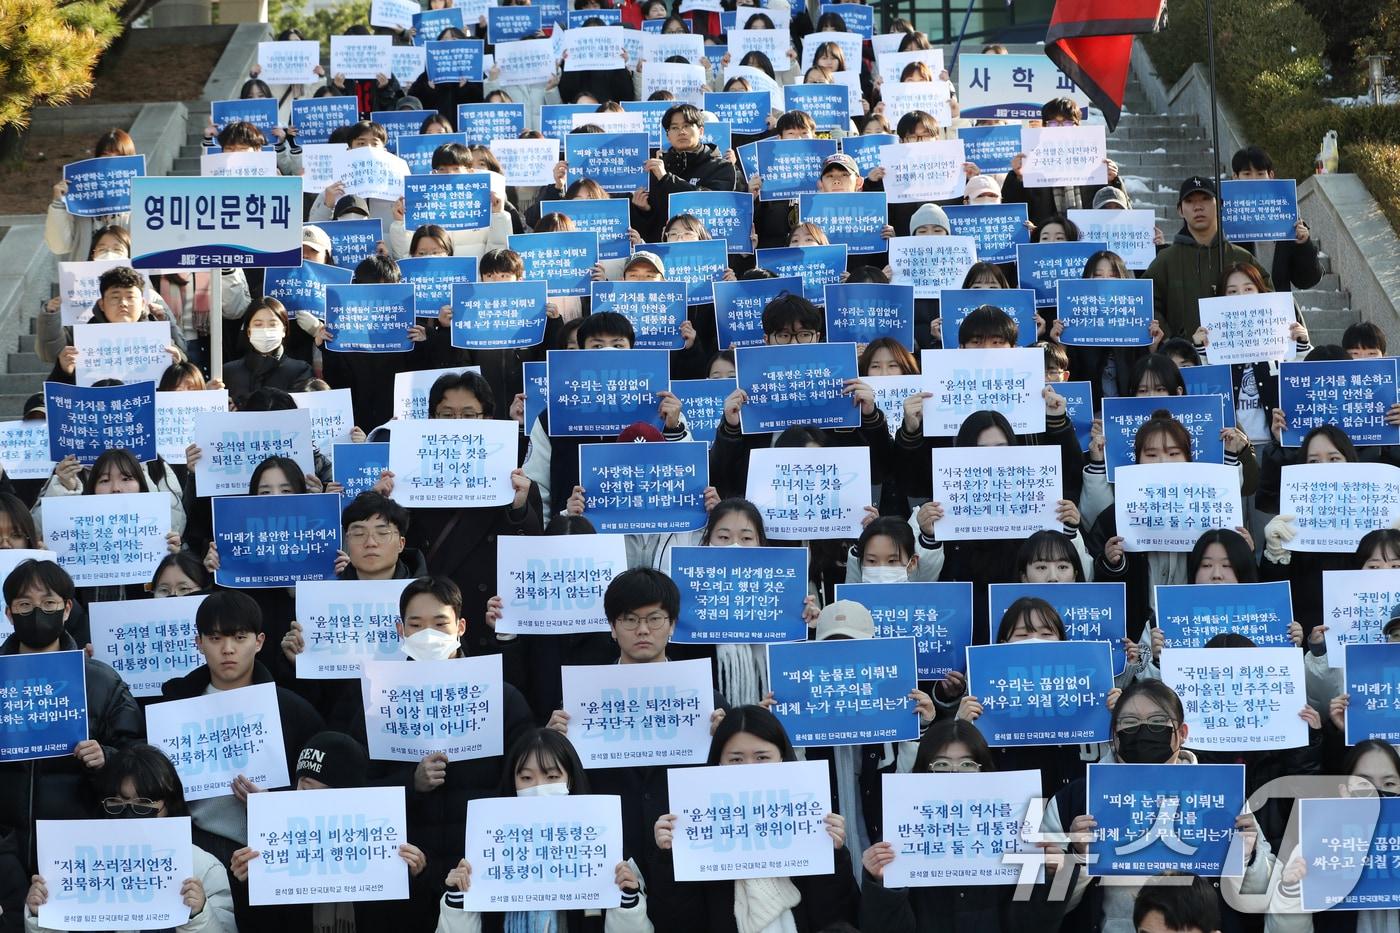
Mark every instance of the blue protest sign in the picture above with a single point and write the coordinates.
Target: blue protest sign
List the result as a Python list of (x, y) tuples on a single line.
[(1341, 843), (1155, 818), (998, 228), (454, 60), (369, 318), (1252, 211), (715, 53), (858, 17), (610, 16), (101, 187), (938, 616), (702, 400), (1352, 394), (317, 117), (86, 422), (430, 24), (536, 392), (866, 149), (652, 111), (556, 120), (991, 148), (498, 315), (727, 215), (356, 467), (455, 201), (1042, 693), (1090, 611), (654, 488), (1192, 614), (353, 241), (790, 167), (1105, 312), (1373, 683), (699, 264), (267, 541), (303, 288), (863, 312), (564, 261), (746, 112), (1041, 265), (215, 223), (613, 160), (1199, 414), (956, 304), (656, 310), (1079, 407), (845, 692), (417, 150), (596, 393), (739, 308), (398, 123), (607, 218), (748, 158), (740, 595), (432, 278), (800, 383), (483, 124), (1212, 379), (508, 23), (43, 698), (855, 219), (827, 104), (816, 266), (551, 11), (259, 111)]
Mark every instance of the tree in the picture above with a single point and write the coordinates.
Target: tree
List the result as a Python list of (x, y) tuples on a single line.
[(321, 24)]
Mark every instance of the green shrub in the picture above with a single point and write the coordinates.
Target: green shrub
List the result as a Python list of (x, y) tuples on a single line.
[(320, 25), (1378, 166)]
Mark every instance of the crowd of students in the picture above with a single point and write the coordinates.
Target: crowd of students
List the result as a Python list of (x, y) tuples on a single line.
[(450, 607)]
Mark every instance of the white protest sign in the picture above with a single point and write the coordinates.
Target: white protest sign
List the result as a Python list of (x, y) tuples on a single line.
[(931, 263), (259, 164), (996, 492), (526, 62), (550, 586), (1130, 234), (686, 82), (633, 715), (1249, 328), (624, 122), (544, 853), (371, 173), (1007, 380), (810, 493), (722, 832), (77, 288), (455, 707), (214, 738), (1167, 506), (395, 14), (408, 62), (24, 449), (108, 540), (147, 641), (1336, 504), (290, 62), (361, 57), (456, 463), (130, 352), (332, 416), (890, 395), (1356, 605), (318, 165), (851, 45), (758, 81), (1064, 156), (345, 623), (176, 413), (233, 443), (411, 390), (891, 65), (916, 173), (528, 161), (593, 48), (114, 874), (327, 846), (657, 47), (955, 829), (770, 42), (932, 97), (1239, 699)]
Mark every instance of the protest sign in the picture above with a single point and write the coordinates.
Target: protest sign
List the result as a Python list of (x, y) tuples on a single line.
[(526, 161), (727, 215), (1089, 611), (613, 160), (1104, 312), (860, 313), (316, 118), (499, 315), (866, 150), (1347, 845), (855, 219), (657, 47), (375, 173), (594, 48), (430, 24), (1354, 395), (815, 266), (523, 62), (114, 874), (495, 124), (955, 304), (826, 104), (595, 394), (1335, 504), (739, 308), (239, 164), (411, 389), (43, 699), (1249, 328), (1041, 266), (345, 623), (636, 715), (332, 417), (997, 229), (700, 264), (356, 467), (810, 493), (1256, 210), (453, 463), (1079, 408), (963, 381), (110, 540), (686, 82), (931, 263), (85, 422), (607, 218), (101, 187), (702, 400), (1041, 693), (932, 97), (353, 241), (24, 449), (1212, 380), (1129, 233), (509, 24), (548, 586), (1010, 87), (1167, 506), (1356, 605), (1239, 699), (790, 167), (134, 352), (395, 14), (798, 383), (938, 616), (146, 641), (1192, 614), (260, 112), (1201, 415), (991, 493), (433, 277), (564, 261), (743, 111), (303, 288), (361, 57), (215, 738), (267, 541), (202, 223), (919, 172), (453, 707), (232, 444), (454, 60), (656, 310), (289, 62), (455, 201), (991, 148), (845, 691), (1061, 156), (645, 489), (1373, 679), (740, 595)]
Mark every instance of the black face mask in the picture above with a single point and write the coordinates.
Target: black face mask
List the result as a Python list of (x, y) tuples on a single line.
[(1145, 744), (38, 628)]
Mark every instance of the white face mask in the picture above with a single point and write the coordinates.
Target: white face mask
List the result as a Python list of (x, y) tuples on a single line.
[(265, 339), (884, 575), (544, 790), (431, 644), (109, 254)]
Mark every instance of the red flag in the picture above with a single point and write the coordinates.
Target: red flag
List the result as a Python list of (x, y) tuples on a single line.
[(1091, 41)]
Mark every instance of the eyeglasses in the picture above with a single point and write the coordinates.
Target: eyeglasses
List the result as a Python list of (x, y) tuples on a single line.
[(448, 413), (26, 606), (918, 138), (16, 540), (382, 533), (801, 336), (179, 589), (139, 805), (961, 766), (1152, 722), (631, 622)]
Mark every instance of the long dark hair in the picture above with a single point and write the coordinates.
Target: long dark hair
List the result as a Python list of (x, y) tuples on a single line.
[(1237, 552), (290, 469), (1022, 610), (757, 722), (947, 732), (548, 747), (977, 422), (121, 458), (151, 774), (731, 506), (1050, 546)]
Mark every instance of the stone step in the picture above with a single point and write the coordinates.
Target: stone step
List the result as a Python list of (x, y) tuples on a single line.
[(21, 383), (1326, 302), (1177, 131), (1159, 163), (1147, 146), (12, 406), (26, 343), (1159, 121), (185, 166), (28, 363)]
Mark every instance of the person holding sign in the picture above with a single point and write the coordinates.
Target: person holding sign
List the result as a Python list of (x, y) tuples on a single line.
[(1093, 363), (70, 237), (690, 164), (542, 763), (365, 134), (1295, 262), (1043, 203), (1305, 570), (457, 159), (122, 301), (140, 782), (752, 735)]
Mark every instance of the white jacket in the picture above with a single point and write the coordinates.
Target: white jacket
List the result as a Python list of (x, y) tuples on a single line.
[(70, 238)]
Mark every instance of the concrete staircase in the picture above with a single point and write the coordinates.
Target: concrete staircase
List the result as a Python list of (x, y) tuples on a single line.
[(1155, 153), (187, 162)]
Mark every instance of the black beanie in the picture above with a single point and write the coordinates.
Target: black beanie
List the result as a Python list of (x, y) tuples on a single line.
[(334, 759)]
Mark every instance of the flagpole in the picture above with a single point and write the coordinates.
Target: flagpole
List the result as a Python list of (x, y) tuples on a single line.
[(957, 46), (1215, 128)]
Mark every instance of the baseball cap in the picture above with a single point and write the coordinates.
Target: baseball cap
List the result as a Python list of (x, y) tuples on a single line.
[(642, 255), (841, 160), (1109, 196), (979, 185), (1194, 184), (316, 237), (350, 204), (639, 432), (845, 618)]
